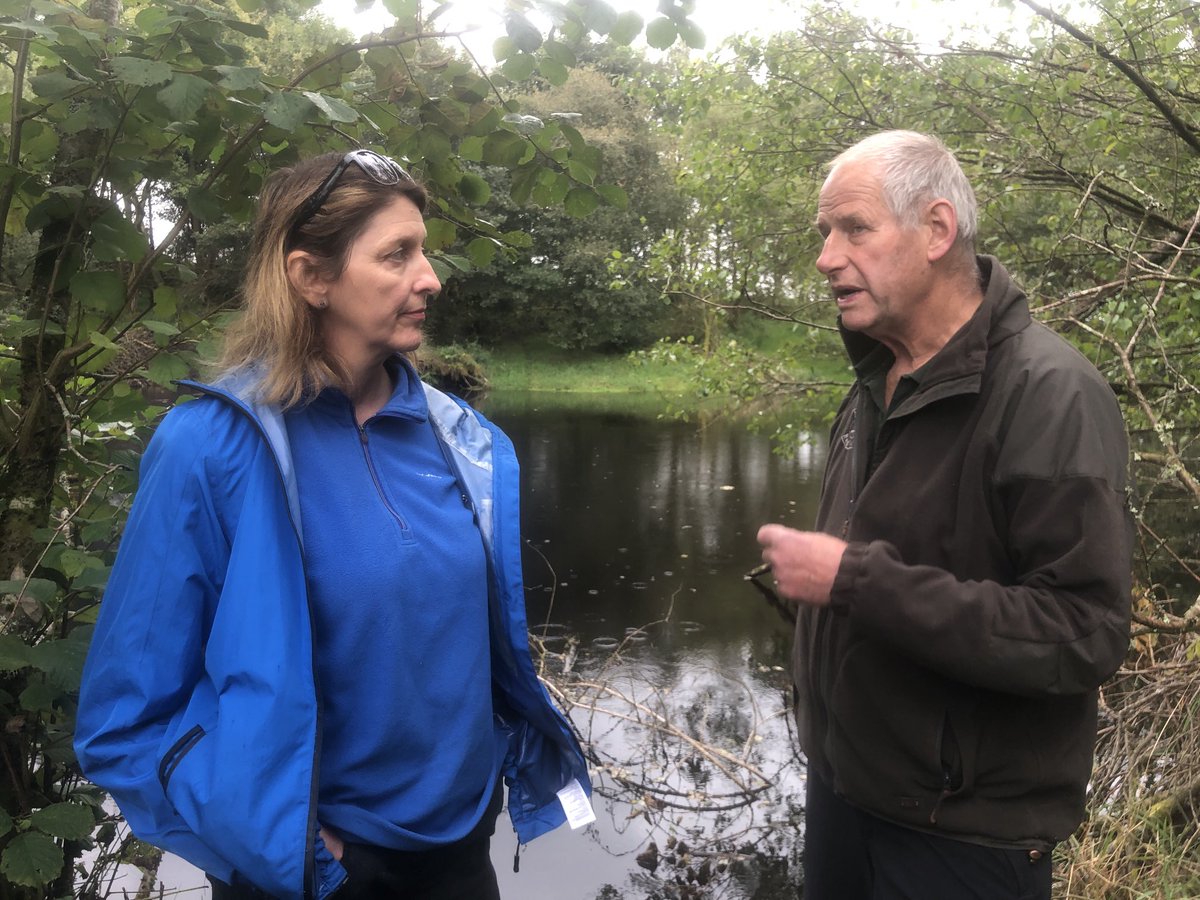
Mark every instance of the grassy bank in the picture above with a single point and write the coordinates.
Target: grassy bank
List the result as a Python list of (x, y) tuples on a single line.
[(548, 369)]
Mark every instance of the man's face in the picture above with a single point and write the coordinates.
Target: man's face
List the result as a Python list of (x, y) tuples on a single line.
[(878, 269)]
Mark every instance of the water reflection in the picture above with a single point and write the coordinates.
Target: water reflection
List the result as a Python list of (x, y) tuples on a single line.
[(638, 532)]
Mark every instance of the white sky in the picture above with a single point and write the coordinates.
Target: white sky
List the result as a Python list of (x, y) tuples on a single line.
[(929, 20)]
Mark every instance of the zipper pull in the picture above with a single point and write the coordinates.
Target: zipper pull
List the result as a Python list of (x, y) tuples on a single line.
[(517, 859)]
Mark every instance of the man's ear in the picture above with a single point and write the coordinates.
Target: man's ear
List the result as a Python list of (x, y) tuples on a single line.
[(942, 221), (304, 274)]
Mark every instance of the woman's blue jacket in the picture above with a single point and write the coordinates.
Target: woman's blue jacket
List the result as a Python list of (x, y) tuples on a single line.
[(200, 712)]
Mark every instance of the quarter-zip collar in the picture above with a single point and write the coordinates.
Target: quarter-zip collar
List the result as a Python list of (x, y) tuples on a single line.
[(407, 401), (958, 367)]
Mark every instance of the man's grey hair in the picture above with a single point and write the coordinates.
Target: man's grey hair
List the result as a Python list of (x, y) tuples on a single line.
[(915, 169)]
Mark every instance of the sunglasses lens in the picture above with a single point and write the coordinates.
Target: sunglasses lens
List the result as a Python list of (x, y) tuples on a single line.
[(379, 168)]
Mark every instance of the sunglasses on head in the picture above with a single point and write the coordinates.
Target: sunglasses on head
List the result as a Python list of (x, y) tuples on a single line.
[(375, 166)]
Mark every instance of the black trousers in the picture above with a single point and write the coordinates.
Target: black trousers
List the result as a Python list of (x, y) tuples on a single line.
[(852, 855), (459, 871)]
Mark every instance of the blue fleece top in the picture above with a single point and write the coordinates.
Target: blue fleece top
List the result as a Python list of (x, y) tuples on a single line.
[(398, 580)]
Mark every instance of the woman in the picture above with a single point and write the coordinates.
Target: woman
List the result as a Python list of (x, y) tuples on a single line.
[(311, 667)]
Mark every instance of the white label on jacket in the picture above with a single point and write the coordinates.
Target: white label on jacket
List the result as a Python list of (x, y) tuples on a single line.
[(576, 805)]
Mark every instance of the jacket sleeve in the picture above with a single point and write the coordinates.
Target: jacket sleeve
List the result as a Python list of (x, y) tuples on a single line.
[(146, 654), (1058, 623)]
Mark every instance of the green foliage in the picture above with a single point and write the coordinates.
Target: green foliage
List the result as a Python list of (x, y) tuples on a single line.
[(1082, 138), (581, 281), (136, 138)]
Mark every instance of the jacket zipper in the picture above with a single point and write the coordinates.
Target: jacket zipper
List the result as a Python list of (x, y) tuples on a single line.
[(173, 757), (947, 790), (364, 442), (310, 887)]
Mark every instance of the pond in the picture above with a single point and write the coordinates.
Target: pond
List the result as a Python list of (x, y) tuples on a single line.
[(638, 530)]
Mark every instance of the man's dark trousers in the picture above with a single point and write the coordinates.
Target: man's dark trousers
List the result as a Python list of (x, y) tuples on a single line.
[(852, 855)]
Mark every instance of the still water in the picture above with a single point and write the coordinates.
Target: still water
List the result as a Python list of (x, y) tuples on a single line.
[(638, 529)]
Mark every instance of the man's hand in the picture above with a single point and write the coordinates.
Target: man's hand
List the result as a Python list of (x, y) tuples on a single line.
[(803, 563)]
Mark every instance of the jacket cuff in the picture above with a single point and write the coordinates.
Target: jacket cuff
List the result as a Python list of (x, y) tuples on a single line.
[(841, 595), (331, 875)]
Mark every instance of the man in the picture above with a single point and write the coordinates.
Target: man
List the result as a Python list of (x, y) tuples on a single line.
[(967, 589)]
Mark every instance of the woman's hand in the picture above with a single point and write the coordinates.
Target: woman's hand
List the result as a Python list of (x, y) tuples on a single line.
[(333, 843)]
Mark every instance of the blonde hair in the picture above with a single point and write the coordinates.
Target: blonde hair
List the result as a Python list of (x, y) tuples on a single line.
[(278, 334)]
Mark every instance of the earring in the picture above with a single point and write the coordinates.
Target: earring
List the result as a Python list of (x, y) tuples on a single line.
[(323, 303)]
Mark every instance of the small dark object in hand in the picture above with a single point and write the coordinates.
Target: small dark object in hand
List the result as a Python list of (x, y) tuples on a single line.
[(754, 576)]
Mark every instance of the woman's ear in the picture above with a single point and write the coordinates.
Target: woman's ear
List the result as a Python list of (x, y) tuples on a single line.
[(305, 276)]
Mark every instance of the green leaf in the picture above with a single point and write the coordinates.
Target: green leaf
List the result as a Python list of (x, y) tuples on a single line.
[(54, 85), (71, 561), (402, 9), (205, 205), (138, 71), (628, 26), (481, 252), (661, 33), (31, 859), (43, 590), (239, 78), (519, 67), (614, 196), (61, 660), (250, 29), (552, 190), (504, 149), (98, 114), (160, 327), (69, 821), (525, 36), (40, 696), (474, 189), (26, 327), (503, 47), (332, 108), (581, 171), (101, 291), (166, 300), (102, 340), (439, 234), (471, 149), (287, 110), (184, 95), (250, 5), (554, 72), (561, 53), (115, 238), (581, 202), (166, 368), (6, 822), (14, 653), (600, 17), (691, 33)]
